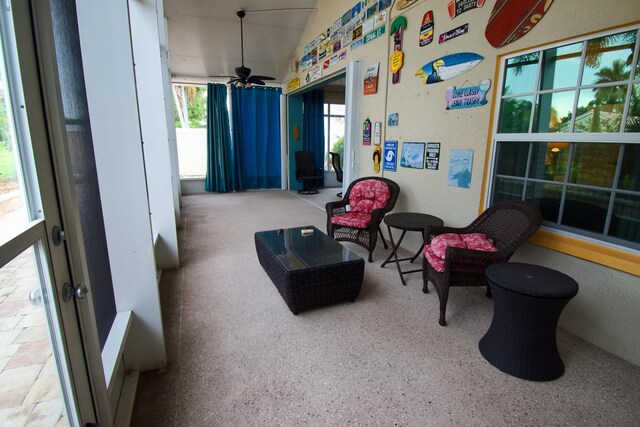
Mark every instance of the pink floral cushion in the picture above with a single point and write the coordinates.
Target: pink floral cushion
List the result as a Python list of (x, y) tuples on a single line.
[(479, 242), (352, 219), (440, 243), (368, 195), (436, 251), (436, 262)]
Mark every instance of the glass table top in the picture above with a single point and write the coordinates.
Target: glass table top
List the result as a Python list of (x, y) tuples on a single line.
[(297, 251)]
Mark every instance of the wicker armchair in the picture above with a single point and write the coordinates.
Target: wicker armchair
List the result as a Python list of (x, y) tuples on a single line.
[(368, 199), (507, 224)]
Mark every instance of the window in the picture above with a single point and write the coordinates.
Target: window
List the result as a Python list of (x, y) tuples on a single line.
[(190, 113), (567, 136), (333, 132)]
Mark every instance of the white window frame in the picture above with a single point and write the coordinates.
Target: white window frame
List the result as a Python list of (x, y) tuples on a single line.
[(616, 137)]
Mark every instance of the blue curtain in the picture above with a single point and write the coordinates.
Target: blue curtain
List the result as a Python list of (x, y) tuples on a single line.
[(313, 126), (220, 168), (256, 136)]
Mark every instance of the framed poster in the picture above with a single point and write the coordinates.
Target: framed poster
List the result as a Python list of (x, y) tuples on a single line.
[(433, 155), (390, 156), (460, 164), (412, 155)]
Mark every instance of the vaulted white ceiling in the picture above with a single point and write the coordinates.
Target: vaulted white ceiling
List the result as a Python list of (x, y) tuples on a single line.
[(204, 36)]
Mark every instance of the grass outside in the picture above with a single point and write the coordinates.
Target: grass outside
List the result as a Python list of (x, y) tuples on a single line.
[(7, 164)]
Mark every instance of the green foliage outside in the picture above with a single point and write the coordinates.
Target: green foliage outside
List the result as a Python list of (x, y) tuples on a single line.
[(338, 147), (190, 106), (7, 162)]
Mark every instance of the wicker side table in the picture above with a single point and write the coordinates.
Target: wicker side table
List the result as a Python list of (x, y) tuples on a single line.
[(309, 270), (528, 300)]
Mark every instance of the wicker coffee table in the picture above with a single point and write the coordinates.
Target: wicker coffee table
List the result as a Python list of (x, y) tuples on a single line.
[(309, 270)]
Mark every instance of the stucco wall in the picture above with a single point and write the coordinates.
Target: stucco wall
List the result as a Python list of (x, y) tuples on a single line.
[(605, 312)]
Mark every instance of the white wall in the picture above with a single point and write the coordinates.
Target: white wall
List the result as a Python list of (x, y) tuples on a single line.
[(605, 310), (149, 70), (192, 152), (109, 77)]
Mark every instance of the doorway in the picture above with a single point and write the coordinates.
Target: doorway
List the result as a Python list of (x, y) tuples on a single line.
[(43, 371)]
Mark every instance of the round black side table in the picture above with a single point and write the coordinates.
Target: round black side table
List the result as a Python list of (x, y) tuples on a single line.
[(407, 221), (528, 300)]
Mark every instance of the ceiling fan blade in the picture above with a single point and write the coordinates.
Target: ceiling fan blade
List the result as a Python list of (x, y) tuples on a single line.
[(263, 77)]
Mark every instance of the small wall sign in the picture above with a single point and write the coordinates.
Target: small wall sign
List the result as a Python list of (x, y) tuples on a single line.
[(392, 119), (457, 7), (390, 160), (466, 97), (293, 84), (371, 79), (452, 34), (433, 155), (426, 29), (374, 34), (377, 131), (366, 132)]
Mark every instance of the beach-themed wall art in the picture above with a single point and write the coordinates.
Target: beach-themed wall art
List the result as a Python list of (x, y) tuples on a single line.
[(395, 61), (366, 132), (392, 119), (460, 164), (448, 67), (377, 133), (452, 34), (314, 73), (457, 7), (374, 34), (412, 155), (377, 154), (390, 159), (403, 4), (371, 79), (426, 29), (466, 97), (512, 19), (433, 155), (293, 84)]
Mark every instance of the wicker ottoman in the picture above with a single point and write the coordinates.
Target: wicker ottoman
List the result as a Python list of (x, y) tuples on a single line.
[(309, 270), (528, 300)]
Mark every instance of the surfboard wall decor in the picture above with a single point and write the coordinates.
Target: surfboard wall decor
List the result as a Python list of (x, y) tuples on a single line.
[(448, 67), (512, 19)]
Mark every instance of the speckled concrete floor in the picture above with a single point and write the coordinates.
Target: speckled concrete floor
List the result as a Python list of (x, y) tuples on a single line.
[(237, 356)]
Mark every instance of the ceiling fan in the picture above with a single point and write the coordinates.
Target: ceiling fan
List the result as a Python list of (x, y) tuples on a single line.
[(244, 77)]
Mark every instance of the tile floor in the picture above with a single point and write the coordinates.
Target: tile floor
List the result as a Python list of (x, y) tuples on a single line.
[(29, 388)]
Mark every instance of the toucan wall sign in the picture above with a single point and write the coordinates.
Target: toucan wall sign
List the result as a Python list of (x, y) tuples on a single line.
[(448, 67)]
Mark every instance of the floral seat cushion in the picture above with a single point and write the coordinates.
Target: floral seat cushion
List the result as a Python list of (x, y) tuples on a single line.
[(364, 197), (436, 251), (352, 219)]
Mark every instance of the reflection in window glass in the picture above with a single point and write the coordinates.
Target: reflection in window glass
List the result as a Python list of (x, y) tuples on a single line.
[(630, 171), (585, 209), (633, 116), (512, 158), (560, 67), (600, 109), (13, 212), (515, 114), (553, 112), (608, 58), (594, 164), (508, 189), (549, 161), (545, 197), (520, 74), (625, 222)]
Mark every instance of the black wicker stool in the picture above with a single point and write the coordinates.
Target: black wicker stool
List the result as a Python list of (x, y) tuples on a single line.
[(528, 300)]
